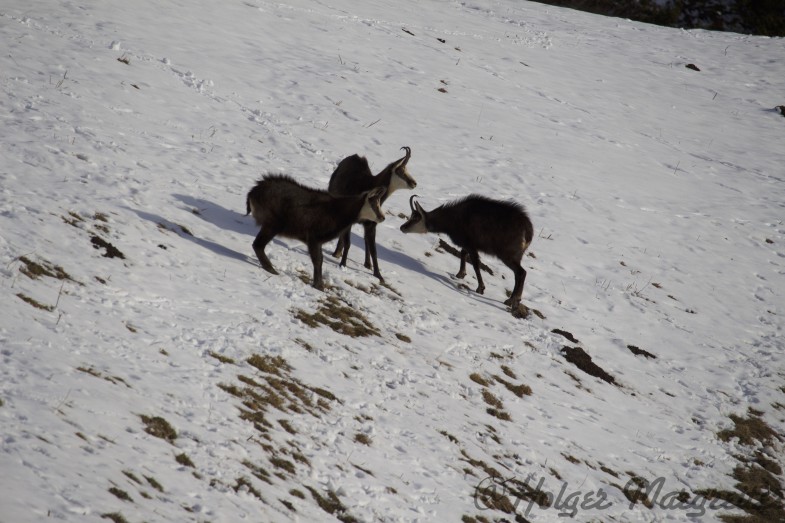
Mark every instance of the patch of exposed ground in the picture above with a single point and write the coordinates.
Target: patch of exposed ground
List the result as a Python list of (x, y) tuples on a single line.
[(340, 316), (759, 488), (578, 357)]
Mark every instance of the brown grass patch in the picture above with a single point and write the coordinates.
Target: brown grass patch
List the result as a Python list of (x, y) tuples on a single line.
[(120, 494), (111, 379), (519, 390), (578, 357), (749, 430), (222, 358), (116, 517), (759, 490), (159, 427), (363, 438), (341, 317), (35, 270), (184, 460), (110, 251), (332, 505), (35, 303), (640, 352), (480, 380)]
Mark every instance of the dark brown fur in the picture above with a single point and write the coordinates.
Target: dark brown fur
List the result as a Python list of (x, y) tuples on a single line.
[(480, 224), (283, 207), (353, 176)]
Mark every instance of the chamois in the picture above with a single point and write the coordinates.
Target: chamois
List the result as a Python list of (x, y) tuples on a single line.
[(353, 176), (480, 224), (282, 206)]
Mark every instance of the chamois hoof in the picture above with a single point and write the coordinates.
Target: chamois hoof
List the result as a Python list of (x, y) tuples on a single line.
[(480, 290), (270, 269), (520, 311), (460, 275)]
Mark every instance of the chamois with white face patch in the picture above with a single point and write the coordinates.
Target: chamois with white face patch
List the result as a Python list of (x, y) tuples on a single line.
[(353, 176), (480, 224), (284, 207)]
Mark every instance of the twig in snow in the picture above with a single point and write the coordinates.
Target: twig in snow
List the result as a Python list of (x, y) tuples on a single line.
[(58, 295), (63, 79), (57, 409)]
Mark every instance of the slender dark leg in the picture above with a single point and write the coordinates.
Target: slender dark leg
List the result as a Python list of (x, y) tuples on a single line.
[(517, 290), (262, 239), (315, 250), (370, 238), (462, 270), (338, 246), (475, 257), (346, 242), (370, 249)]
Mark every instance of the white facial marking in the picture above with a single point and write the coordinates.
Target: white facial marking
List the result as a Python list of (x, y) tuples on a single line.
[(399, 182), (416, 227), (369, 213)]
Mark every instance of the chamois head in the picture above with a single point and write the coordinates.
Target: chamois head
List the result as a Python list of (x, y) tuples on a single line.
[(416, 222), (372, 209), (400, 177)]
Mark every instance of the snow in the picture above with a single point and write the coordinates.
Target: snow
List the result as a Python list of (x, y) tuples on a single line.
[(656, 193)]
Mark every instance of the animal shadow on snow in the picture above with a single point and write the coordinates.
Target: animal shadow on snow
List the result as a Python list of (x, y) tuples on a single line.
[(178, 229), (236, 222), (405, 261), (219, 216)]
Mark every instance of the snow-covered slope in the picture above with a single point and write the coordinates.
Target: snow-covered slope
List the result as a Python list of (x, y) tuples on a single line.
[(151, 371)]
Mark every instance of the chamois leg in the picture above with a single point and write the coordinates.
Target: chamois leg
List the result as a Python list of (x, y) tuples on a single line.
[(344, 242), (517, 290), (475, 258), (262, 239), (462, 270), (370, 249), (338, 247), (341, 246), (315, 250), (370, 237)]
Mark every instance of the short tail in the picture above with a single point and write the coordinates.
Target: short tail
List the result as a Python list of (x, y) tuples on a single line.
[(528, 232), (253, 202)]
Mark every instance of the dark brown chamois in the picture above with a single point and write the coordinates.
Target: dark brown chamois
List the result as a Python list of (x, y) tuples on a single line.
[(479, 224), (282, 206), (353, 176)]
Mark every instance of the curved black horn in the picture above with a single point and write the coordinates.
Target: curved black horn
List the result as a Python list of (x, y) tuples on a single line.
[(408, 154), (411, 202)]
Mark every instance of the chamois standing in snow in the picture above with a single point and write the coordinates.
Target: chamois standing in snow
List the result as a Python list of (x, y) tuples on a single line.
[(282, 206), (353, 176), (479, 224)]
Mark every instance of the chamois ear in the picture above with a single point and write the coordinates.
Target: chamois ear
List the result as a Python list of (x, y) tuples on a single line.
[(378, 192)]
